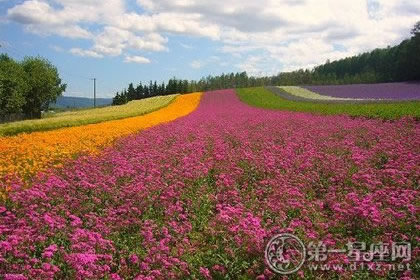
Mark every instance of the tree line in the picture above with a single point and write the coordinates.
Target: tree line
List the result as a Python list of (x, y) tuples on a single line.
[(392, 64), (153, 89), (175, 85), (27, 87)]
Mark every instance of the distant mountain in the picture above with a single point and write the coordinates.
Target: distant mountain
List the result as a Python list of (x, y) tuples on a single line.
[(79, 102)]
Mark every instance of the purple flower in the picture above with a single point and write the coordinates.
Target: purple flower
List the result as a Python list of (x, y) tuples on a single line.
[(408, 90)]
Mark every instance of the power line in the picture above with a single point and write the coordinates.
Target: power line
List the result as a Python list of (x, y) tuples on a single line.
[(94, 92), (8, 48)]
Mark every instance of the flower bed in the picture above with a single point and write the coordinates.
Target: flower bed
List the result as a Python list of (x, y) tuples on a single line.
[(24, 155), (396, 91), (199, 197)]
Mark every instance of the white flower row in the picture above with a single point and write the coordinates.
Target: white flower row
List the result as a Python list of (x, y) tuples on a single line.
[(305, 93)]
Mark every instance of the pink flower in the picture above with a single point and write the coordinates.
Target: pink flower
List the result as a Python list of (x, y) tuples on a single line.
[(14, 277), (134, 259), (115, 276), (205, 272), (49, 251)]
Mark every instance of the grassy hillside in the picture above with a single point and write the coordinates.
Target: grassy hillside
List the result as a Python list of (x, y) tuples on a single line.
[(83, 117), (261, 97)]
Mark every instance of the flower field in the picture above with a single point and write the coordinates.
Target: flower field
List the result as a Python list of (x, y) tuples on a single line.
[(279, 99), (304, 93), (199, 197), (24, 155), (397, 91), (90, 116)]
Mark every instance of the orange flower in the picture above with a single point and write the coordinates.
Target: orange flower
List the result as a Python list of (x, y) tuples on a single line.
[(25, 155)]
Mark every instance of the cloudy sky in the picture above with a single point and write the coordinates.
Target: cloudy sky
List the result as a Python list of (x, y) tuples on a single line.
[(119, 41)]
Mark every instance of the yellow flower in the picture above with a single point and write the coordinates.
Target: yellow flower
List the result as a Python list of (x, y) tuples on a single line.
[(25, 155)]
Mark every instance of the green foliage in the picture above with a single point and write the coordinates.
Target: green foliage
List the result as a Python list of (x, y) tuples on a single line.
[(44, 85), (12, 87), (27, 87), (261, 97), (416, 29), (140, 92)]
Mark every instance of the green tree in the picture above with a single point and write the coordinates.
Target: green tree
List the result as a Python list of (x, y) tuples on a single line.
[(416, 29), (131, 92), (44, 85), (415, 51), (12, 86), (117, 99)]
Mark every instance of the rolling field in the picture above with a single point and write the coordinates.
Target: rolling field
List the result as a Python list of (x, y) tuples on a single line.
[(200, 196), (265, 98), (25, 155), (90, 116)]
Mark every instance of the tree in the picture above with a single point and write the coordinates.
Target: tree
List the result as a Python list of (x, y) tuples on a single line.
[(131, 92), (162, 89), (415, 51), (139, 91), (44, 85), (155, 89), (13, 85), (117, 100), (416, 29)]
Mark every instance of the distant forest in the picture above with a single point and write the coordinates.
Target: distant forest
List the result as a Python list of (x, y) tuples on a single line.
[(392, 64)]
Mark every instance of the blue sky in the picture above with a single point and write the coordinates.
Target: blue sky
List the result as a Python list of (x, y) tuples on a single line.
[(122, 41)]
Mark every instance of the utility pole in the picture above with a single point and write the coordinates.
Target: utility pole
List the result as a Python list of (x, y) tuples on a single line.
[(94, 92)]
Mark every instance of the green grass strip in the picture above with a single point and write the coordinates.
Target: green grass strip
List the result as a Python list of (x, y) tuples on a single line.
[(261, 97), (89, 116)]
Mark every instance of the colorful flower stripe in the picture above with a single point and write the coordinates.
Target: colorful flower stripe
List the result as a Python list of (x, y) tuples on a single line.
[(26, 154), (307, 94), (396, 91), (90, 116), (199, 197), (276, 98)]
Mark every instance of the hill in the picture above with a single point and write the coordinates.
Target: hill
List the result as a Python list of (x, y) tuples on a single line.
[(79, 102)]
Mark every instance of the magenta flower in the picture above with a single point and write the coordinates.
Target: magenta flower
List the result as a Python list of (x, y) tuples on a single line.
[(202, 195)]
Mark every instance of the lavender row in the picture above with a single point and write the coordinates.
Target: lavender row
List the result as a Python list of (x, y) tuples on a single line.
[(397, 91)]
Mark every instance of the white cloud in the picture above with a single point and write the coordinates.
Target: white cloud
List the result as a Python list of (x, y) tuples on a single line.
[(258, 65), (271, 34), (137, 59), (56, 48), (40, 18), (4, 44), (151, 42), (186, 46), (196, 64), (113, 41), (177, 23), (41, 12), (87, 53)]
